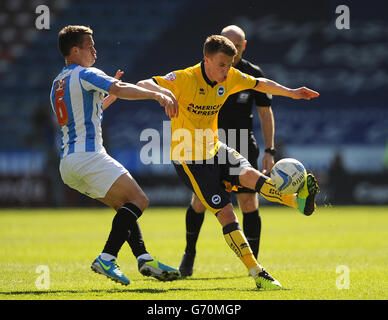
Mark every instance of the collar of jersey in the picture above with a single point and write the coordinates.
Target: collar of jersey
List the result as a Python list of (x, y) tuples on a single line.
[(210, 83), (71, 66)]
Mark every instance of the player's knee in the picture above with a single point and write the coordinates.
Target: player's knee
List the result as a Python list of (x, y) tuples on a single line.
[(248, 202), (143, 202), (248, 177), (197, 205), (248, 205), (140, 200), (226, 215)]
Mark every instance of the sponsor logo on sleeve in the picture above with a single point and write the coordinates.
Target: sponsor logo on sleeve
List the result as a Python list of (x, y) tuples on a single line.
[(170, 76)]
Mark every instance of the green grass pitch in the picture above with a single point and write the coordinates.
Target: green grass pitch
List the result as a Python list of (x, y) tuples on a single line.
[(336, 254)]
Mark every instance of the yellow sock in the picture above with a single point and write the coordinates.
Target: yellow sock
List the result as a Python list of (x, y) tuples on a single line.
[(239, 244), (269, 192)]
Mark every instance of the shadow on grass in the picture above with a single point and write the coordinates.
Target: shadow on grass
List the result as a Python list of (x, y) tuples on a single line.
[(145, 290), (111, 291), (212, 278), (43, 292)]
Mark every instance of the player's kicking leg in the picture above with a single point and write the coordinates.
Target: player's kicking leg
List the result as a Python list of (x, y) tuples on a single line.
[(306, 196), (304, 200)]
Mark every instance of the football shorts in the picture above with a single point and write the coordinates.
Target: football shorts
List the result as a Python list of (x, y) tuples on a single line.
[(212, 180), (91, 173), (252, 156)]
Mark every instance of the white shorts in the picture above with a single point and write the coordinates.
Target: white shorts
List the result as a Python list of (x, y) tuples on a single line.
[(91, 173)]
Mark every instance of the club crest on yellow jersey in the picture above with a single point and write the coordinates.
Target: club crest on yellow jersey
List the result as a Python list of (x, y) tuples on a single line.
[(220, 91)]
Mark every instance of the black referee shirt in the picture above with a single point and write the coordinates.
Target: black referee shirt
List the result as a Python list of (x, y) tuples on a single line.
[(236, 113)]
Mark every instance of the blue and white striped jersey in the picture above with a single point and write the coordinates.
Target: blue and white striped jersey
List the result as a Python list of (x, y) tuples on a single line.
[(76, 98)]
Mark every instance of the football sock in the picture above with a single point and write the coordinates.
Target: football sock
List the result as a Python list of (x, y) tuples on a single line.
[(135, 237), (239, 244), (145, 256), (135, 240), (194, 222), (125, 227), (252, 230), (265, 187), (107, 257)]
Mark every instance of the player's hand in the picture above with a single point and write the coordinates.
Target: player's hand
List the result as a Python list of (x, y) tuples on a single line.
[(118, 74), (304, 93), (175, 110), (169, 103), (267, 163)]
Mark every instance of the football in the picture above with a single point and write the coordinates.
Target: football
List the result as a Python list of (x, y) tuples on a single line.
[(288, 175)]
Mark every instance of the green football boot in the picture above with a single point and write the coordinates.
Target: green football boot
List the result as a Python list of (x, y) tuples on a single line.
[(266, 282), (158, 270), (306, 196), (109, 269)]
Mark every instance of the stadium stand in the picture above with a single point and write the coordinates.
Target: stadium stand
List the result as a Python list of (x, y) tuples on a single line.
[(30, 59)]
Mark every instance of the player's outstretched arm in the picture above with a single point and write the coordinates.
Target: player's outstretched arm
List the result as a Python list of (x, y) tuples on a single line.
[(108, 100), (274, 88), (129, 91), (151, 85)]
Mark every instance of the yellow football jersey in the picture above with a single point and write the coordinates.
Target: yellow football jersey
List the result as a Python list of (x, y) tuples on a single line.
[(194, 133)]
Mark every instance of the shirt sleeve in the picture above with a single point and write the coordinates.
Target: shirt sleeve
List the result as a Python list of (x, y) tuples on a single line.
[(240, 81), (95, 79), (171, 81)]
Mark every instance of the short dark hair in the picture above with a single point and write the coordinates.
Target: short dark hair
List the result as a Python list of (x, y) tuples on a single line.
[(71, 36), (217, 43)]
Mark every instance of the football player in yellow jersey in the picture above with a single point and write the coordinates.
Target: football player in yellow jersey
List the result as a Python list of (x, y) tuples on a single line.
[(210, 168)]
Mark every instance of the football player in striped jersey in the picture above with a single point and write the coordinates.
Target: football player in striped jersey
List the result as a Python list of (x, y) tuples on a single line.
[(78, 99)]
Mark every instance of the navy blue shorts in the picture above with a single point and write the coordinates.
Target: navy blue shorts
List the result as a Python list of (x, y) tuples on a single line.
[(212, 180), (252, 156)]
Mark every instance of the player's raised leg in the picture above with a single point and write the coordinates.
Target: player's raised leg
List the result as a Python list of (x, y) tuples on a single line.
[(306, 196), (304, 200)]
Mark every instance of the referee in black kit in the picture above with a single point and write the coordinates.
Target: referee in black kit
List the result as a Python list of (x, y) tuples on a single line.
[(236, 113)]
